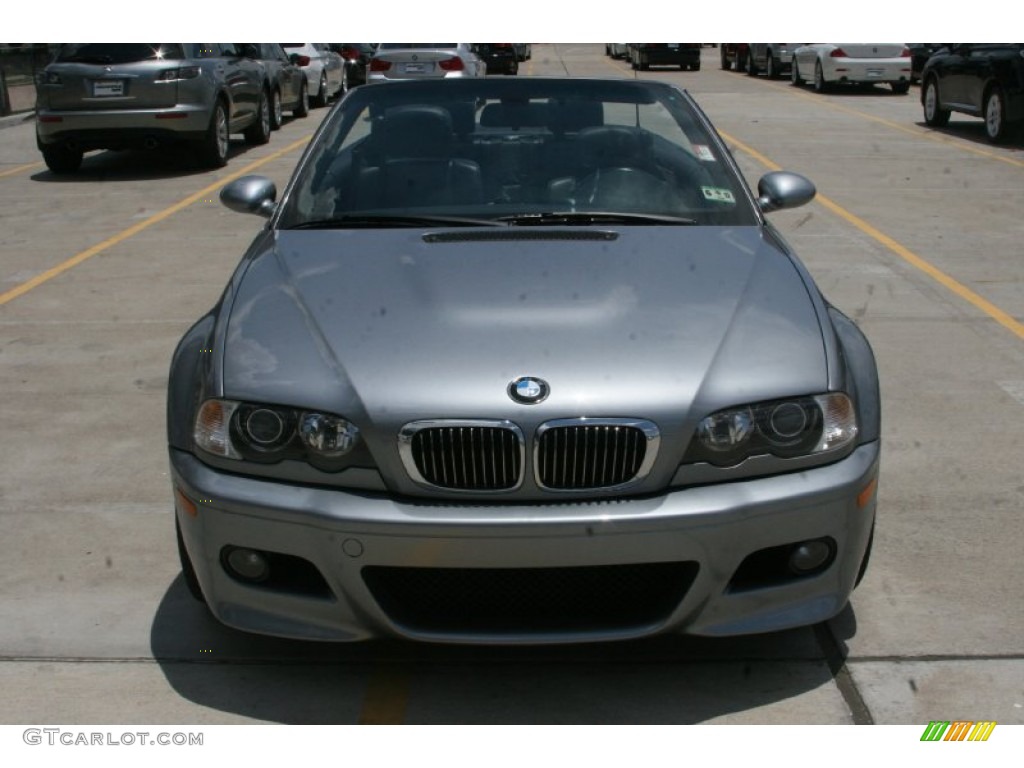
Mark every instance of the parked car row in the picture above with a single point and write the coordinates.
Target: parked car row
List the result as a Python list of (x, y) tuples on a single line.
[(983, 80), (150, 95)]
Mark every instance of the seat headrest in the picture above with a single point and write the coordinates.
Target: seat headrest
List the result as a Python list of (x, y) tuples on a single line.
[(417, 130), (515, 114)]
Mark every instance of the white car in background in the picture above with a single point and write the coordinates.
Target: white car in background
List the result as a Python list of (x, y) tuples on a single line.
[(324, 72), (413, 61), (828, 64)]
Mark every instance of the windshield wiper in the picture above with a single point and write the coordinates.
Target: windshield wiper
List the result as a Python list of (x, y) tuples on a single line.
[(373, 220), (593, 217)]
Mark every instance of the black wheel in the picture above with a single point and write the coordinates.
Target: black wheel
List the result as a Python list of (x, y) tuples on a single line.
[(772, 67), (302, 110), (259, 131), (751, 66), (934, 114), (213, 149), (188, 571), (902, 88), (276, 112), (696, 67), (741, 61), (60, 159), (320, 100), (819, 78), (794, 74), (867, 557), (996, 126)]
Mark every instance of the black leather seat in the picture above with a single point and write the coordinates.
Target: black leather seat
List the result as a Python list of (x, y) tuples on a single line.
[(417, 165)]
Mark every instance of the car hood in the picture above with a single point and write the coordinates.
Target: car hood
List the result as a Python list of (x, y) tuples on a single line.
[(389, 326)]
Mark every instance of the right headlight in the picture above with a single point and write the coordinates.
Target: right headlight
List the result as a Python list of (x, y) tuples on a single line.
[(270, 433), (799, 426)]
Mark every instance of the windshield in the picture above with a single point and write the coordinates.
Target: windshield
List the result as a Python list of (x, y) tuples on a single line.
[(508, 150)]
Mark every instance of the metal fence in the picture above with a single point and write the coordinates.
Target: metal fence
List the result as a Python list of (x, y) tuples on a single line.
[(19, 63)]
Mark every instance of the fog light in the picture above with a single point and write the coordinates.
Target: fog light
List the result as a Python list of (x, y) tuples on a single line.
[(811, 556), (248, 564)]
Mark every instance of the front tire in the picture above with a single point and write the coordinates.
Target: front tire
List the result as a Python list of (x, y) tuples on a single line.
[(259, 131), (213, 149), (902, 88), (62, 160), (934, 114), (302, 110), (772, 69), (320, 100), (996, 127), (820, 84), (276, 111), (794, 74), (188, 571)]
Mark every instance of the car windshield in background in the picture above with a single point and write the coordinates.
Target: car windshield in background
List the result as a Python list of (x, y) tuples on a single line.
[(517, 152), (118, 53)]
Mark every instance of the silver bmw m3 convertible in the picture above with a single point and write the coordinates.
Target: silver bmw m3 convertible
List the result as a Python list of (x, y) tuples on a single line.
[(521, 361)]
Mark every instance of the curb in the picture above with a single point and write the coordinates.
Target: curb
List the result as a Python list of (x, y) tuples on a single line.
[(17, 119)]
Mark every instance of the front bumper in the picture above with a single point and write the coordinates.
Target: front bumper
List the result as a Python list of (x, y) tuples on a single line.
[(713, 528)]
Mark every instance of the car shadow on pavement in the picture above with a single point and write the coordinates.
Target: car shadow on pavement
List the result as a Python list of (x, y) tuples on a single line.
[(782, 677), (138, 165), (973, 130)]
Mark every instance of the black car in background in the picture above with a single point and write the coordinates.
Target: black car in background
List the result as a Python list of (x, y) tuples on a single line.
[(919, 55), (682, 55), (357, 58), (499, 57), (985, 80)]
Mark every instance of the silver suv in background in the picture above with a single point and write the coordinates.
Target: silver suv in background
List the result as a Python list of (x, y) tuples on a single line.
[(147, 95)]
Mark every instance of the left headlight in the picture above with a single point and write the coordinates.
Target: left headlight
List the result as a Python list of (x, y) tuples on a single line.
[(799, 426), (269, 433)]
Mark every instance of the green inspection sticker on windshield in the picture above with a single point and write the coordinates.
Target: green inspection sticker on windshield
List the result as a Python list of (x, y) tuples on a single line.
[(718, 195)]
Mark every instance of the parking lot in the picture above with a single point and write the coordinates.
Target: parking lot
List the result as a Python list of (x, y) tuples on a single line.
[(915, 234)]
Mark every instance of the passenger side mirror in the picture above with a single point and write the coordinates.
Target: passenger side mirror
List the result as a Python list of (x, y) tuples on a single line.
[(782, 189)]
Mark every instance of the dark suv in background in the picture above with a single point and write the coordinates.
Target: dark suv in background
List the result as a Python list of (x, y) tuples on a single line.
[(147, 95), (682, 55), (985, 80), (499, 57)]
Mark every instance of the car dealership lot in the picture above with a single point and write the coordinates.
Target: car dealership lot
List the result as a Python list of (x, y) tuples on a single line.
[(915, 235)]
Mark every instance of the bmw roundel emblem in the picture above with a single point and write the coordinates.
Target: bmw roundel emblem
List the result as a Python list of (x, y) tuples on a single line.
[(528, 390)]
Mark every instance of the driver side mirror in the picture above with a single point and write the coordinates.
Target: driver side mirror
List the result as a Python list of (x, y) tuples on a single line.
[(250, 194)]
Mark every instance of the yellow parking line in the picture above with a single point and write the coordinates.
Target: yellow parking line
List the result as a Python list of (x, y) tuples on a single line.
[(387, 694), (142, 225), (19, 169), (961, 290), (918, 132)]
